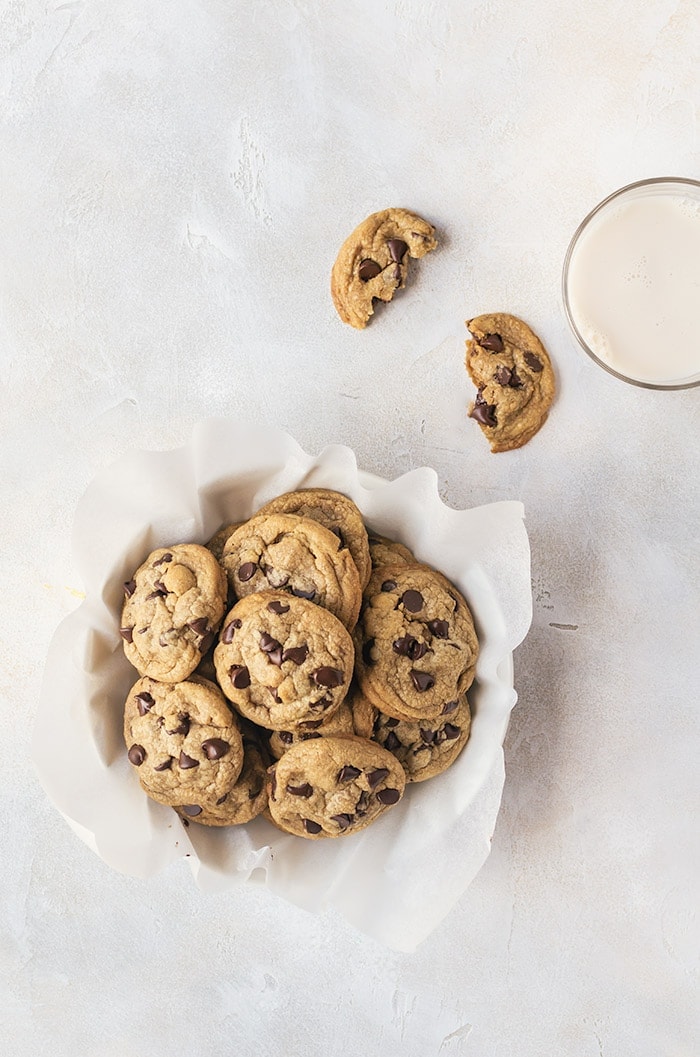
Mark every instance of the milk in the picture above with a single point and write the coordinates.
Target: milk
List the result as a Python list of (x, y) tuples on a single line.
[(634, 286)]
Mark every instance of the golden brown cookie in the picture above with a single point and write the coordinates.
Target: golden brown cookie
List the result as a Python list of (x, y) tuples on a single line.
[(514, 378), (246, 799), (385, 551), (283, 661), (172, 609), (332, 787), (416, 647), (425, 747), (294, 554), (373, 262), (342, 723), (334, 511), (182, 739), (218, 541)]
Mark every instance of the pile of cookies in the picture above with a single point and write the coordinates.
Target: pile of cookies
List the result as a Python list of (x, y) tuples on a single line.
[(295, 666)]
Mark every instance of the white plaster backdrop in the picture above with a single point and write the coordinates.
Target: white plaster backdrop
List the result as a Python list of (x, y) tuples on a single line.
[(175, 179)]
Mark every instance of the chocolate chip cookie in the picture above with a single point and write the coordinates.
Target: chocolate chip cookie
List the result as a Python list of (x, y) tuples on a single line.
[(182, 740), (173, 606), (218, 541), (342, 723), (514, 379), (283, 661), (334, 511), (246, 799), (332, 787), (373, 262), (294, 554), (424, 748), (416, 647), (384, 551)]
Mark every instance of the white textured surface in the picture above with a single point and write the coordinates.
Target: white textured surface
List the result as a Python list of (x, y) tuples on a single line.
[(176, 177)]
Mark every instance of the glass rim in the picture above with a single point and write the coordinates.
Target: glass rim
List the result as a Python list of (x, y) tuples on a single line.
[(677, 181)]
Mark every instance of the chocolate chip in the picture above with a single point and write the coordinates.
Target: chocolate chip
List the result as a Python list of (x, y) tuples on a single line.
[(286, 737), (439, 628), (449, 706), (388, 796), (160, 590), (343, 820), (129, 588), (428, 736), (422, 680), (533, 363), (492, 342), (451, 732), (166, 558), (206, 642), (272, 648), (127, 634), (136, 754), (389, 585), (215, 748), (389, 721), (229, 631), (304, 790), (254, 792), (165, 765), (246, 571), (144, 702), (391, 742), (239, 676), (348, 772), (329, 677), (191, 809), (409, 647), (362, 803), (221, 799), (275, 696), (311, 827), (278, 607), (200, 626), (367, 652), (307, 737), (308, 595), (397, 249), (368, 269), (183, 726), (412, 601), (186, 762), (483, 412), (375, 777), (296, 654)]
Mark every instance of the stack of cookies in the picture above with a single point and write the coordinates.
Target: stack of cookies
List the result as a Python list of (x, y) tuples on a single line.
[(338, 674)]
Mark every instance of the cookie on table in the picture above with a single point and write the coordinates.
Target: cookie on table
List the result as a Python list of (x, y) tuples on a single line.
[(283, 661), (297, 555), (514, 378), (427, 747), (246, 799), (332, 787), (173, 606), (182, 739), (218, 541), (346, 721), (385, 551), (372, 263), (334, 511), (416, 646)]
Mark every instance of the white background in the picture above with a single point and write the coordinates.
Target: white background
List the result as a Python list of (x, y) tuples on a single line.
[(175, 180)]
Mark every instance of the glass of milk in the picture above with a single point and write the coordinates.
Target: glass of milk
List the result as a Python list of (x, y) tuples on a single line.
[(631, 283)]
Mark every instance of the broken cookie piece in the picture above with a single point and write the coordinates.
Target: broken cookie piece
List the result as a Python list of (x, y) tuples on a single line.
[(373, 262), (514, 378)]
